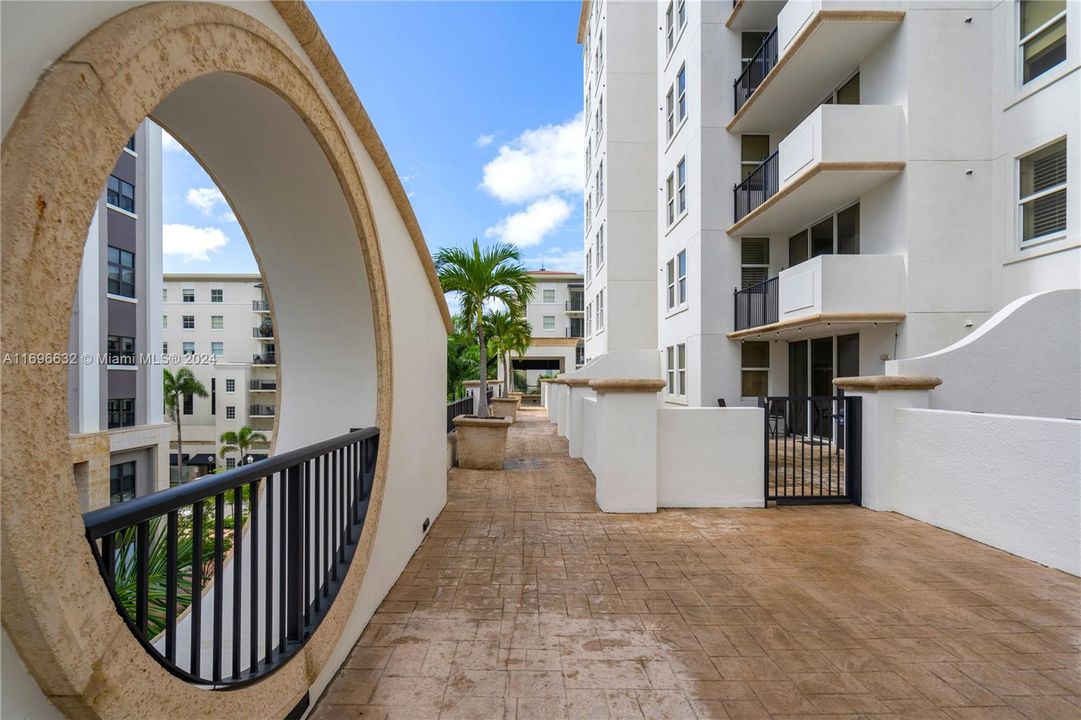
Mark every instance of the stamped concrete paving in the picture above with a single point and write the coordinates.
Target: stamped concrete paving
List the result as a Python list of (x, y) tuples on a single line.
[(526, 602)]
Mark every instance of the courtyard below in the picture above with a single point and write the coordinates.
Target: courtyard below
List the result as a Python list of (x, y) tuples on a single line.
[(526, 601)]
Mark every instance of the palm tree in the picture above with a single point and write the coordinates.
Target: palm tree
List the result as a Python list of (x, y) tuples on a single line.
[(509, 332), (177, 386), (480, 277), (240, 441)]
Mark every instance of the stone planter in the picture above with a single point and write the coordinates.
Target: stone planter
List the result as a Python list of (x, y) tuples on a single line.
[(482, 442), (505, 407)]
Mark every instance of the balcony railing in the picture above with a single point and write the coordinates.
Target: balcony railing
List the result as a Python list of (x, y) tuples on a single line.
[(756, 188), (260, 305), (756, 70), (262, 385), (575, 305), (461, 406), (264, 359), (757, 305), (261, 411), (304, 512), (263, 331)]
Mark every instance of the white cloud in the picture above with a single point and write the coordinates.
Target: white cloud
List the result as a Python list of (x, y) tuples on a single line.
[(483, 141), (205, 199), (558, 259), (190, 243), (169, 143), (227, 217), (528, 227), (538, 163)]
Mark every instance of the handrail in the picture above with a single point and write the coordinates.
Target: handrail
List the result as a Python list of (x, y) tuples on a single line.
[(755, 70), (756, 305), (760, 185)]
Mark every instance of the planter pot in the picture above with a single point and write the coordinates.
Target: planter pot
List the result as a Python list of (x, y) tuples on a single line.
[(515, 396), (504, 407), (482, 442)]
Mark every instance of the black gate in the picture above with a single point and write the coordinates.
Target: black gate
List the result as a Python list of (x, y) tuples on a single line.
[(813, 449)]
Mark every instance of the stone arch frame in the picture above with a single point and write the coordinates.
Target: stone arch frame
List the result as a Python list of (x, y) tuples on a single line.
[(56, 609)]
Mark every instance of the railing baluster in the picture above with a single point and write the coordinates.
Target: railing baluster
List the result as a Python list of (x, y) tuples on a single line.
[(219, 599), (170, 586), (196, 588), (253, 595), (238, 569), (305, 530), (142, 580), (317, 563), (283, 555), (327, 524), (268, 612)]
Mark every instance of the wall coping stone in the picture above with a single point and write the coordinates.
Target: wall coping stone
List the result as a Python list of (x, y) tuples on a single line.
[(888, 382)]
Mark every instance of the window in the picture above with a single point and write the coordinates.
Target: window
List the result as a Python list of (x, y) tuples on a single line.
[(121, 412), (120, 194), (164, 322), (670, 113), (589, 320), (188, 295), (189, 404), (230, 385), (676, 281), (750, 43), (213, 396), (121, 482), (754, 261), (217, 322), (600, 246), (189, 347), (753, 150), (600, 311), (165, 348), (549, 322), (681, 186), (121, 350), (669, 29), (676, 366), (217, 295), (682, 13), (230, 412), (1042, 36), (847, 94), (600, 50), (131, 143), (589, 263), (549, 295), (681, 93), (589, 209), (230, 463), (670, 198), (589, 154), (217, 349), (165, 294), (600, 117), (187, 322), (121, 269), (754, 375), (837, 234), (1042, 198)]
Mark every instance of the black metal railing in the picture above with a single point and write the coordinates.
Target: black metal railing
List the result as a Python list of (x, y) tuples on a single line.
[(813, 449), (223, 579), (262, 384), (264, 410), (461, 406), (757, 305), (755, 70), (575, 305), (260, 305), (756, 188), (264, 359), (262, 331)]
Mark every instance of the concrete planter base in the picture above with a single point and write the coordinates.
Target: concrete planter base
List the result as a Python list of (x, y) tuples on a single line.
[(482, 442), (505, 407)]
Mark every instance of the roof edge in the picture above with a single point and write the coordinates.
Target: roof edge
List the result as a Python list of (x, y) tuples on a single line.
[(583, 17)]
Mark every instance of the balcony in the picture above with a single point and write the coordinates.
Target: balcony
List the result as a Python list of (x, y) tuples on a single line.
[(818, 44), (263, 332), (264, 360), (753, 14), (821, 294), (256, 385), (834, 156), (261, 411), (575, 305), (756, 70), (260, 306)]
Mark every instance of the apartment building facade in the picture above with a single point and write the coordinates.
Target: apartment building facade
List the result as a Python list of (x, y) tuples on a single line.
[(220, 326), (557, 320), (119, 436), (840, 184)]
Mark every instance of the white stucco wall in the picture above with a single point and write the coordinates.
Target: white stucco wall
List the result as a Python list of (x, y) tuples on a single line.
[(710, 457), (589, 437), (1007, 481)]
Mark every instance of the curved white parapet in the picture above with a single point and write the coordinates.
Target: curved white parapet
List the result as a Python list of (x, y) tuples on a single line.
[(1025, 360)]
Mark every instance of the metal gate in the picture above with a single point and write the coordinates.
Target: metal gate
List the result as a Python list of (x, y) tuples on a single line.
[(813, 449)]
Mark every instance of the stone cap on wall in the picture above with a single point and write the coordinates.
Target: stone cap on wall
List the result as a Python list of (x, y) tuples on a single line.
[(468, 421), (577, 382), (476, 383), (888, 382), (627, 385), (558, 381)]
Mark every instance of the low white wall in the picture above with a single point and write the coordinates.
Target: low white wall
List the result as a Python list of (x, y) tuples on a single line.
[(1024, 360), (1008, 481), (710, 457), (589, 434)]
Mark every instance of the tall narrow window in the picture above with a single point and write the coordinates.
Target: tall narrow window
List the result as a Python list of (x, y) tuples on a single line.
[(681, 186), (670, 113), (754, 261), (189, 404), (754, 381), (670, 284), (600, 186), (121, 482), (753, 150), (600, 246), (670, 198), (121, 271), (681, 277), (1042, 198), (1042, 39), (600, 310), (600, 117), (589, 263), (120, 193), (681, 92), (682, 13), (676, 367), (669, 28)]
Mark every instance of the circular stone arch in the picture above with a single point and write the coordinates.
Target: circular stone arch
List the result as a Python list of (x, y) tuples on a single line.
[(55, 157)]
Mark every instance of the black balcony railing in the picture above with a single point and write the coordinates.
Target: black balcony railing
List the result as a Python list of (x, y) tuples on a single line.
[(755, 70), (757, 305), (263, 331), (263, 385), (756, 188), (304, 512), (574, 305), (461, 406), (260, 305), (261, 410), (264, 359)]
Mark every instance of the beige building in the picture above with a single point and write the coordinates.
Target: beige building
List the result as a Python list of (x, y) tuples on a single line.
[(557, 318), (219, 326)]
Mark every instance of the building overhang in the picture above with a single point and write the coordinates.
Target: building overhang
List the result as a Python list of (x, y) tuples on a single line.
[(754, 15), (817, 325), (583, 19)]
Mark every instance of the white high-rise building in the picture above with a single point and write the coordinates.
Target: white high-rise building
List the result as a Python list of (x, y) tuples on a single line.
[(834, 184)]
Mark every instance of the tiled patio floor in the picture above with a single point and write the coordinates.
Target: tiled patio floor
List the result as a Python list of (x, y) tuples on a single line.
[(526, 602)]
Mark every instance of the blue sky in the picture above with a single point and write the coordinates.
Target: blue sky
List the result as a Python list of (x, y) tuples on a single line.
[(479, 106)]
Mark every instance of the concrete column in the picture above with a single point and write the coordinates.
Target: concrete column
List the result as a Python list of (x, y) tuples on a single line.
[(544, 395), (882, 394), (576, 390), (626, 442), (562, 407)]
